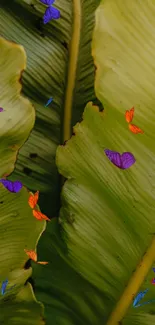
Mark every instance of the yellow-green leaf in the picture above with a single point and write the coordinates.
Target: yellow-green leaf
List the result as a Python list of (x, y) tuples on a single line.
[(17, 119), (19, 230)]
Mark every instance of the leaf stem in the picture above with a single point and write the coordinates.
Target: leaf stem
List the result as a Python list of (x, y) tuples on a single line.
[(133, 286), (73, 58)]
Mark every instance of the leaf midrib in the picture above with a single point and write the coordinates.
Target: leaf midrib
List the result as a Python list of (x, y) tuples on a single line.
[(72, 67), (133, 286)]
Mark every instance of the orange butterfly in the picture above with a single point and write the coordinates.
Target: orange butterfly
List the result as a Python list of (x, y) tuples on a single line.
[(135, 129), (33, 199), (33, 256), (39, 215), (129, 115)]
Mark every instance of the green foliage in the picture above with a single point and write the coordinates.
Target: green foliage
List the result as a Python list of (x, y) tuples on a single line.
[(47, 49), (19, 230), (106, 221), (102, 229), (107, 215)]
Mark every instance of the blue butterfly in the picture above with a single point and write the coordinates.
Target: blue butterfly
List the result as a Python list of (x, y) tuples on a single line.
[(139, 297), (48, 102), (3, 287), (50, 12), (11, 186)]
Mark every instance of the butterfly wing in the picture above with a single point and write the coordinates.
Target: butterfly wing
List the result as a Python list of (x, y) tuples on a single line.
[(129, 115), (36, 214), (17, 186), (135, 129), (13, 187), (32, 254), (128, 160), (114, 157), (47, 2), (139, 297), (7, 184), (153, 281), (33, 199), (3, 287), (51, 13), (39, 215), (49, 101)]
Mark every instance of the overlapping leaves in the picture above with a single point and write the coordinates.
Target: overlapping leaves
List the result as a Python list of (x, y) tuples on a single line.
[(48, 51)]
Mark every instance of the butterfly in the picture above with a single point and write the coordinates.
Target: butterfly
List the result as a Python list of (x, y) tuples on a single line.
[(153, 281), (51, 13), (129, 116), (33, 199), (139, 297), (48, 102), (39, 215), (33, 256), (4, 285), (123, 161), (13, 187)]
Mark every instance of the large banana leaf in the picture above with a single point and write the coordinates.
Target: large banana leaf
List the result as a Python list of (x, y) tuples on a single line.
[(106, 232), (107, 220), (19, 305), (59, 65)]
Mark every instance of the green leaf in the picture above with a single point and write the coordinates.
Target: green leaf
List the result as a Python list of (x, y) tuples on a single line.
[(18, 116), (107, 231), (108, 214), (59, 65), (18, 305)]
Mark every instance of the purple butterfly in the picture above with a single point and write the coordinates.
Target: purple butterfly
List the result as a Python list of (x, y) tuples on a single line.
[(51, 13), (14, 187), (123, 161), (47, 2)]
